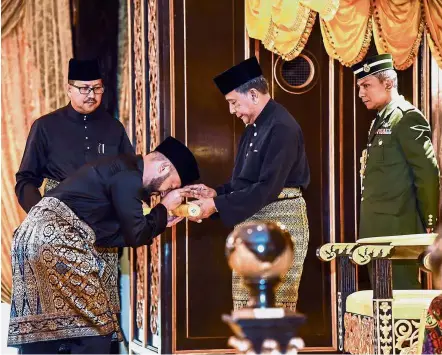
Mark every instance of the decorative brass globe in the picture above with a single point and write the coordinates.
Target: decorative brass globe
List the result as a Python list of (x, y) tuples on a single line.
[(261, 252)]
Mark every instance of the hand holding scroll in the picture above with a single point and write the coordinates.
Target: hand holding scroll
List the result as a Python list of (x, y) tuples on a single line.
[(186, 210), (196, 210), (207, 206)]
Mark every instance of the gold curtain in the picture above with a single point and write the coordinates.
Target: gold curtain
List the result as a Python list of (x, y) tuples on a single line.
[(284, 26), (326, 8), (35, 55), (433, 21), (347, 35), (290, 27), (397, 29), (123, 68), (12, 13), (258, 17)]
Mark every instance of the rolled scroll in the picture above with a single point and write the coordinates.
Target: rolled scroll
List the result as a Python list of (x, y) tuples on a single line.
[(186, 210)]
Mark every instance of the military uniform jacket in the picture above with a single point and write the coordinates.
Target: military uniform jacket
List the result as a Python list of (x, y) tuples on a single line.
[(399, 174)]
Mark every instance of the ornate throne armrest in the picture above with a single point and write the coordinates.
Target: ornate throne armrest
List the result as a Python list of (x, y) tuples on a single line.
[(392, 247), (331, 251)]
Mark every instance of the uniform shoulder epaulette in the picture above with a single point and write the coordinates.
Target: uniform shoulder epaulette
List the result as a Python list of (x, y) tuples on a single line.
[(401, 110), (405, 107)]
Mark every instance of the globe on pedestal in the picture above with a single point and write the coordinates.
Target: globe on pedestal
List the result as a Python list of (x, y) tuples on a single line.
[(261, 252)]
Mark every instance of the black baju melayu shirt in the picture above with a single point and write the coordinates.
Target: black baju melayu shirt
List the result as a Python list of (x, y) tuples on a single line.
[(106, 195), (271, 156), (61, 142)]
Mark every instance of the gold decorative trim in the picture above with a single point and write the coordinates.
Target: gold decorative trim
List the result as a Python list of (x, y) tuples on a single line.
[(138, 88), (363, 255), (139, 81), (154, 73), (365, 43), (305, 17), (326, 12), (155, 286), (340, 324), (304, 37), (360, 331), (154, 123), (406, 332), (414, 48), (140, 272), (383, 326), (331, 251)]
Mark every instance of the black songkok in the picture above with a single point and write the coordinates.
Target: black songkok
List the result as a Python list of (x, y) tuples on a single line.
[(182, 159)]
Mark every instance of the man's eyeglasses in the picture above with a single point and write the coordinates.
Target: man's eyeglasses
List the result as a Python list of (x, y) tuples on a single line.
[(85, 90)]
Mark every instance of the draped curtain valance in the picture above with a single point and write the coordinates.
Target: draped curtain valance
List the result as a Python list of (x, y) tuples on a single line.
[(347, 27)]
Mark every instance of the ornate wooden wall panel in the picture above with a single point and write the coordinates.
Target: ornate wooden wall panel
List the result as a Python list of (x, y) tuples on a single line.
[(138, 256), (145, 261), (209, 38), (181, 285)]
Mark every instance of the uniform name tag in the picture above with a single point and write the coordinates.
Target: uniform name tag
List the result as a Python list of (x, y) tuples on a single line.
[(384, 131)]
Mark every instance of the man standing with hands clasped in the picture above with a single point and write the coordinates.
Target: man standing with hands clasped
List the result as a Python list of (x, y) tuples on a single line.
[(62, 141), (399, 172)]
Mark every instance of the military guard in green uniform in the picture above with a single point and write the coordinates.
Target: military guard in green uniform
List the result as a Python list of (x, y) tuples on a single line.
[(399, 172)]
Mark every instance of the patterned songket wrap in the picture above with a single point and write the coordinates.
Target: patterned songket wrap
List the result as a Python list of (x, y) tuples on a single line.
[(63, 286), (290, 210)]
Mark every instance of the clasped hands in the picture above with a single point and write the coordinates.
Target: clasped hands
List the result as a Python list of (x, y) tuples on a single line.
[(204, 199)]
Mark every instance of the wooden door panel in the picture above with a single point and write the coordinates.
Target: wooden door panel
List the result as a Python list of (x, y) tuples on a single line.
[(214, 41)]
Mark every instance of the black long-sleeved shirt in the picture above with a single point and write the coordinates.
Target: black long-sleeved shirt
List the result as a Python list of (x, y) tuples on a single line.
[(271, 156), (106, 195), (61, 142)]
